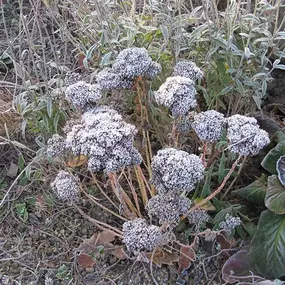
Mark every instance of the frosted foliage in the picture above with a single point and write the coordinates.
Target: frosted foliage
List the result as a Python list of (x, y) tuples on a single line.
[(108, 79), (168, 208), (177, 93), (56, 146), (198, 218), (138, 236), (66, 186), (132, 62), (176, 170), (209, 125), (245, 136), (81, 94), (230, 223), (105, 139), (188, 69)]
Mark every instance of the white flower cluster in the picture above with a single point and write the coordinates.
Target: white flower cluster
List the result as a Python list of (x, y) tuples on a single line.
[(168, 208), (176, 170), (138, 236), (177, 93), (133, 62), (56, 146), (72, 78), (230, 223), (198, 218), (81, 94), (66, 186), (188, 69), (209, 125), (245, 136), (105, 139)]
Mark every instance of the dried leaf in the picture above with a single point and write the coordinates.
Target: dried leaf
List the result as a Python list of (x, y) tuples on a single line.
[(224, 241), (13, 170), (77, 161), (118, 252), (207, 207), (160, 257), (105, 237), (84, 260), (187, 255)]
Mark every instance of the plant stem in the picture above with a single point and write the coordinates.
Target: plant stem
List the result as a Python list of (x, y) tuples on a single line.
[(217, 191)]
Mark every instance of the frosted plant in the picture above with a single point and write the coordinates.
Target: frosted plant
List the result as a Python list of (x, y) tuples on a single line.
[(105, 139), (245, 136), (188, 69), (132, 62), (176, 170), (72, 78), (209, 125), (81, 94), (230, 223), (153, 70), (108, 79), (138, 236), (168, 208), (198, 218), (177, 93), (56, 146), (185, 123), (66, 186)]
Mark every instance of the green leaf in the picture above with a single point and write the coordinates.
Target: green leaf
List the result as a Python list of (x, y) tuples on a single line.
[(275, 196), (268, 245), (254, 192), (270, 160), (280, 136), (222, 172)]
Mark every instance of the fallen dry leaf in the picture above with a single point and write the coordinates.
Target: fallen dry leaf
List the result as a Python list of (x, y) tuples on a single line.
[(187, 255), (160, 257), (225, 242), (85, 260), (77, 161)]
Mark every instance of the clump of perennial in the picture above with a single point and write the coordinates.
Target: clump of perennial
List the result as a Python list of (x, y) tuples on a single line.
[(108, 79), (168, 208), (188, 69), (56, 146), (66, 186), (139, 236), (209, 125), (176, 170), (105, 139), (230, 223), (81, 94), (245, 136), (198, 218), (177, 93)]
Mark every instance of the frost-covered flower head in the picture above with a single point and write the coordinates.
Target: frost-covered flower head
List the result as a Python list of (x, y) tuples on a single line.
[(132, 62), (177, 93), (56, 146), (245, 136), (209, 125), (105, 139), (188, 69), (168, 208), (153, 70), (72, 78), (81, 94), (66, 186), (230, 223), (138, 236), (108, 79), (198, 218), (176, 170)]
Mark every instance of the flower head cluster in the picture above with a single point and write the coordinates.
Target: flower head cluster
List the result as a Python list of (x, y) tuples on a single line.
[(72, 78), (139, 236), (209, 125), (108, 79), (185, 123), (66, 186), (178, 94), (245, 136), (176, 170), (56, 146), (168, 208), (133, 62), (188, 69), (81, 94), (198, 218), (230, 223), (105, 139)]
